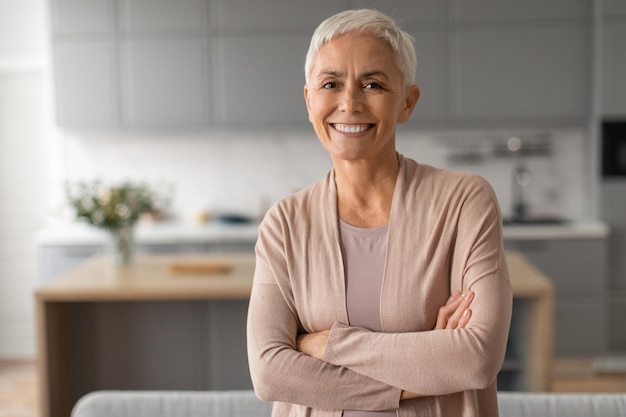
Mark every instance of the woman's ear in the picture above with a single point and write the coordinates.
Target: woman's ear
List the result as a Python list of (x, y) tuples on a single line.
[(410, 100), (306, 100)]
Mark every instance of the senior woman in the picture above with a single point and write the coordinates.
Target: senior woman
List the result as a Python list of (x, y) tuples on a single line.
[(363, 281)]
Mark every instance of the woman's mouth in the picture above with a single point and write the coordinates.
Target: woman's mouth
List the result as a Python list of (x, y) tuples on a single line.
[(351, 128)]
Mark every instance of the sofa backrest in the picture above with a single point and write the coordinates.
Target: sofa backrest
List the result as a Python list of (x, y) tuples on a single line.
[(246, 404)]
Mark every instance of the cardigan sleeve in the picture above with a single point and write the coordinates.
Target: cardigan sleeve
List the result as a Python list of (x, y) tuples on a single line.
[(279, 372), (440, 362)]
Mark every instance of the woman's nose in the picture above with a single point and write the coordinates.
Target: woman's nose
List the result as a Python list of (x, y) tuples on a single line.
[(352, 100)]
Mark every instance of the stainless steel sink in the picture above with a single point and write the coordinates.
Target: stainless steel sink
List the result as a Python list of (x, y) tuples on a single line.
[(535, 221)]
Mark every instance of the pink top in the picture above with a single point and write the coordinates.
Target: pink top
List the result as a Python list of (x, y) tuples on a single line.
[(364, 252)]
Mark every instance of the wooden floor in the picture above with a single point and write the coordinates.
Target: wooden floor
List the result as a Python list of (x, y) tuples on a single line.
[(19, 394)]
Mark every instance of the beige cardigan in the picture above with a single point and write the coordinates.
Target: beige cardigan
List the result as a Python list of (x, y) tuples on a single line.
[(445, 233)]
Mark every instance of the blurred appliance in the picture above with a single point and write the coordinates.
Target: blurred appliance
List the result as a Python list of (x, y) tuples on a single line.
[(614, 148), (613, 188)]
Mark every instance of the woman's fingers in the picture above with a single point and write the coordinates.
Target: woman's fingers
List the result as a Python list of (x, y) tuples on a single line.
[(459, 317), (446, 310), (455, 313)]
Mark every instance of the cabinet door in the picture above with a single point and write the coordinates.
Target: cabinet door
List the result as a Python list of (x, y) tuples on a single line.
[(577, 268), (580, 326), (614, 88), (131, 345), (494, 10), (517, 74), (407, 13), (617, 330), (260, 80), (85, 76), (165, 82), (163, 16), (225, 332), (431, 78), (80, 16), (269, 15)]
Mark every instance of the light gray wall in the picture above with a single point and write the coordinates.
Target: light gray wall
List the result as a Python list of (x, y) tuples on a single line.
[(22, 168)]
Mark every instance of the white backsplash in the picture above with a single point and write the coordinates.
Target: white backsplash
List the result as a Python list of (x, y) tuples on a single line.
[(244, 172)]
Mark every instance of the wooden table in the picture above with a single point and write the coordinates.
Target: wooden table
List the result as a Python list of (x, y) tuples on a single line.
[(72, 308), (532, 286)]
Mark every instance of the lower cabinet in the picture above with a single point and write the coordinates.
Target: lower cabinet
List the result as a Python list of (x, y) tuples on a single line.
[(513, 375), (577, 267), (159, 345)]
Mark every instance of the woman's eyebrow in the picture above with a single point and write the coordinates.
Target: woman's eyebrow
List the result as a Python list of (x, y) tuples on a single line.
[(375, 73), (366, 74), (332, 73)]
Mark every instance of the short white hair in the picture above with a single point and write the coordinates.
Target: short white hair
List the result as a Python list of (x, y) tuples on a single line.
[(368, 21)]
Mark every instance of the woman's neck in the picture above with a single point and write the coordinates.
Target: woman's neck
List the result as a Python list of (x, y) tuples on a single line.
[(365, 191)]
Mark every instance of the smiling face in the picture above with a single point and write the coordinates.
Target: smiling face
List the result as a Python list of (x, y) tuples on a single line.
[(355, 97)]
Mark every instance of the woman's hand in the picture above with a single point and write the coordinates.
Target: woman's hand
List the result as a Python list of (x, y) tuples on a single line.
[(312, 344), (455, 314)]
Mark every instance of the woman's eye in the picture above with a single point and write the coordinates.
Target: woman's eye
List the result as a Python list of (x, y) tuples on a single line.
[(373, 85)]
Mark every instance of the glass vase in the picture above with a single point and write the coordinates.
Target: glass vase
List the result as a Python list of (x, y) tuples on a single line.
[(121, 245)]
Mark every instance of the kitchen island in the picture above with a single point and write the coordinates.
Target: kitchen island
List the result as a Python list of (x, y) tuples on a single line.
[(178, 322)]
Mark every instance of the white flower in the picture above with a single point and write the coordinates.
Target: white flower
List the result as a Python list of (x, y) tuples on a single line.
[(87, 203), (122, 210), (98, 217)]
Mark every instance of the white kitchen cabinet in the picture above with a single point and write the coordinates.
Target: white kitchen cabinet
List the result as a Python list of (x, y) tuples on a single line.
[(85, 82), (165, 82)]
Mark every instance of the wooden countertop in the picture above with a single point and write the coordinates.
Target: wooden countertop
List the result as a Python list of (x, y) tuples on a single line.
[(151, 278)]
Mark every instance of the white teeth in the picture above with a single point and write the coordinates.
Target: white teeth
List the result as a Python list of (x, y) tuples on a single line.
[(345, 128)]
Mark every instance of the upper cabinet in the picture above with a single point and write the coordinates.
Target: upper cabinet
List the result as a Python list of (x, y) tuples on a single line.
[(83, 17), (614, 62), (520, 74), (273, 16), (513, 62), (181, 64), (196, 64)]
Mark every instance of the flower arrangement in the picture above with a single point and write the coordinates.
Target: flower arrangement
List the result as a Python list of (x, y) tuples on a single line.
[(115, 209), (111, 207)]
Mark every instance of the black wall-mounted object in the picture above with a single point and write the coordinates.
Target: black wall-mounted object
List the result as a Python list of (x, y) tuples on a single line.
[(614, 148)]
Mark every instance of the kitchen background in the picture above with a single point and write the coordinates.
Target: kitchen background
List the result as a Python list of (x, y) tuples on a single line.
[(206, 96)]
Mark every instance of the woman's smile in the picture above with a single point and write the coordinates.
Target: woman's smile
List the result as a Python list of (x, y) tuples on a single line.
[(349, 128)]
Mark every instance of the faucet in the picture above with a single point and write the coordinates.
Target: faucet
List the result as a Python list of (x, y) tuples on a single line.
[(521, 179)]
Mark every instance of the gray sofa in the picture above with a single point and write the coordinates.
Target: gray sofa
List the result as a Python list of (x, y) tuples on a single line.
[(246, 404)]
